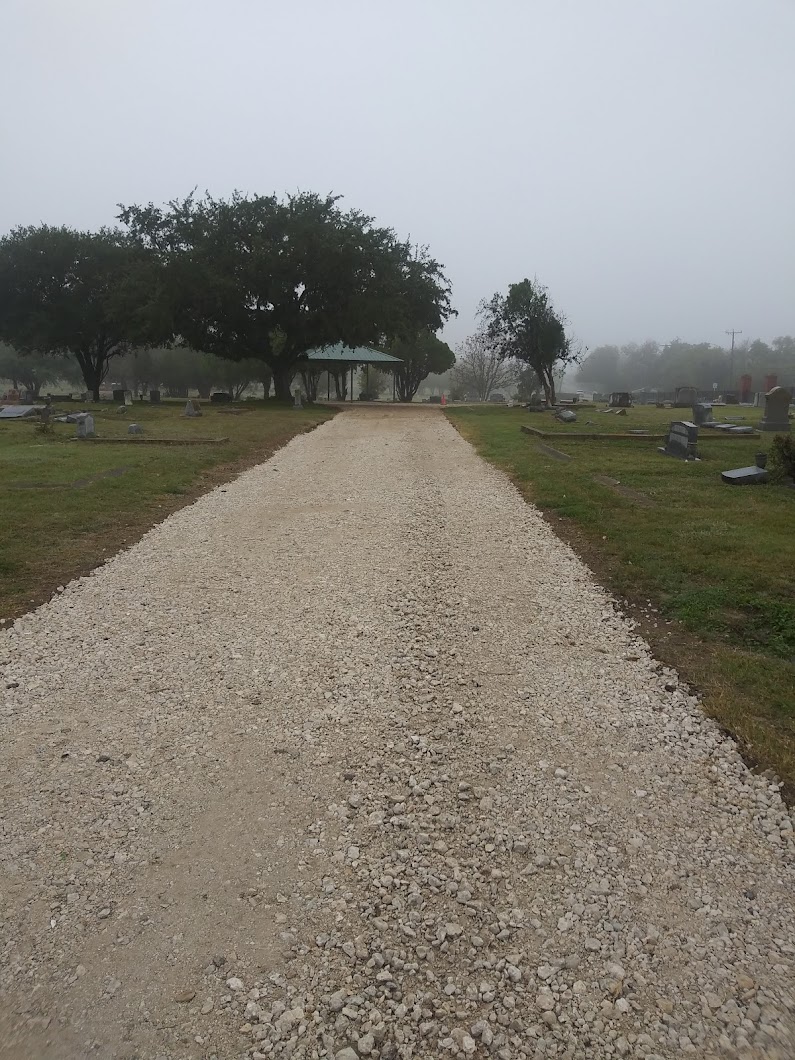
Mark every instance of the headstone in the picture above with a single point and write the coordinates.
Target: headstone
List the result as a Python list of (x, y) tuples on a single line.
[(128, 398), (685, 397), (297, 403), (741, 430), (776, 417), (620, 399), (702, 414), (682, 440), (220, 398), (85, 426), (135, 428), (566, 416), (745, 388), (154, 397), (191, 409), (119, 396)]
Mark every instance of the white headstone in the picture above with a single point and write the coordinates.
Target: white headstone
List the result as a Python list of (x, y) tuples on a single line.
[(297, 403), (85, 427)]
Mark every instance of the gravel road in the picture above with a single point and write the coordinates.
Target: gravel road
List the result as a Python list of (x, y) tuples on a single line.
[(352, 758)]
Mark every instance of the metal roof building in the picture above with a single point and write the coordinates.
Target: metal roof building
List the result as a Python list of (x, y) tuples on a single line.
[(339, 358)]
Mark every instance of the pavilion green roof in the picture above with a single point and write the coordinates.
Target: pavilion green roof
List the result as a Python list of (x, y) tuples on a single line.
[(340, 354)]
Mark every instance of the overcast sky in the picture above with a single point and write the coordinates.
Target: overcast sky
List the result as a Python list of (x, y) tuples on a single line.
[(637, 156)]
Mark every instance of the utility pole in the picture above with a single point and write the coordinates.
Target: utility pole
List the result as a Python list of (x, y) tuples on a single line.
[(733, 332)]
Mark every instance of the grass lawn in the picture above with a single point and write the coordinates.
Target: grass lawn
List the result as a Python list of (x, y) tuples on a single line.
[(67, 505), (708, 569)]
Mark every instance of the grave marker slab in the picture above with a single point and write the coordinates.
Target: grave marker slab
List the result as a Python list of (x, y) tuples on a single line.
[(135, 428), (297, 403), (566, 416)]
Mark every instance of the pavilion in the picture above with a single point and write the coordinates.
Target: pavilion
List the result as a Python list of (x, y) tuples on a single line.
[(339, 359)]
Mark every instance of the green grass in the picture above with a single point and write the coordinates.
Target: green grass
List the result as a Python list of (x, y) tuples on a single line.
[(707, 568), (53, 530)]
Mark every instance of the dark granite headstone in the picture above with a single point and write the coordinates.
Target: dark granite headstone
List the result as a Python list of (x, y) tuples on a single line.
[(702, 414), (682, 440), (744, 476), (118, 396), (220, 397), (685, 397), (776, 417), (135, 428), (620, 399), (566, 416), (154, 397)]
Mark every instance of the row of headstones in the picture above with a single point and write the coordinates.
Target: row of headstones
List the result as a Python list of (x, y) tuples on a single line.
[(775, 419), (125, 397), (86, 428)]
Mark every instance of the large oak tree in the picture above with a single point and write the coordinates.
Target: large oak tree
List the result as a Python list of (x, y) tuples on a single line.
[(256, 277), (92, 295)]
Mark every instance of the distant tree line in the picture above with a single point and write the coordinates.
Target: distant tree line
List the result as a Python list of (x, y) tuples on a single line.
[(255, 281), (653, 366)]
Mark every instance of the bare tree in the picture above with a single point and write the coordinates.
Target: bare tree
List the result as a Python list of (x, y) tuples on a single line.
[(480, 369)]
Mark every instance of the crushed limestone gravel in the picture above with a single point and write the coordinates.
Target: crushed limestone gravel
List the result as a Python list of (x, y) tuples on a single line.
[(352, 758)]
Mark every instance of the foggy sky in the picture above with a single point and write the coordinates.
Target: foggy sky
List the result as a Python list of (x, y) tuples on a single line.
[(637, 156)]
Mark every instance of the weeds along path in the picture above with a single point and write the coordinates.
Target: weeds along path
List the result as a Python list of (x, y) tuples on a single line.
[(352, 758)]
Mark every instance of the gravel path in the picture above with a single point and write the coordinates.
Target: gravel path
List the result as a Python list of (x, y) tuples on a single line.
[(352, 758)]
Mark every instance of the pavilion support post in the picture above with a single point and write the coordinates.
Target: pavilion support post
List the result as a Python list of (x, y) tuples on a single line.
[(351, 382), (393, 384), (367, 383), (328, 385)]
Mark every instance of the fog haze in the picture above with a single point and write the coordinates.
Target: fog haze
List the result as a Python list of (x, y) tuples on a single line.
[(637, 156)]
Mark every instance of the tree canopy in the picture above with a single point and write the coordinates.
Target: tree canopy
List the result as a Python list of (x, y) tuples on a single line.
[(524, 326), (420, 355), (91, 294), (256, 277)]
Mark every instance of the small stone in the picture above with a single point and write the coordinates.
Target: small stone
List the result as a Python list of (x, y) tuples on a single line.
[(346, 1054), (235, 984), (184, 996), (207, 1007)]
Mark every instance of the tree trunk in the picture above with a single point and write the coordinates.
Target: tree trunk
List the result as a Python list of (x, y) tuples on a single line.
[(267, 379), (310, 378), (340, 377), (282, 382)]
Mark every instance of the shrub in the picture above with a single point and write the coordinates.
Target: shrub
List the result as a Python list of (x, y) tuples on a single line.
[(781, 458)]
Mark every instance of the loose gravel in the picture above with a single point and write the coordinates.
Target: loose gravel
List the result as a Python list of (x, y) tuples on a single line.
[(352, 758)]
